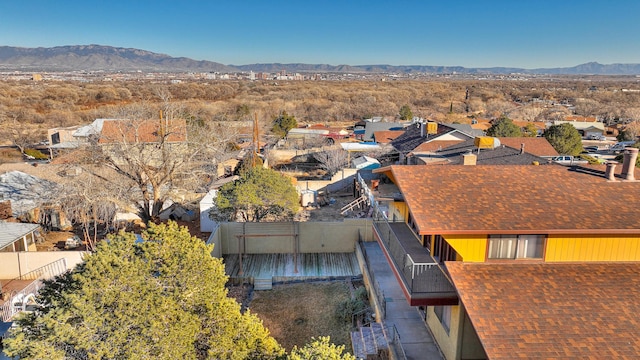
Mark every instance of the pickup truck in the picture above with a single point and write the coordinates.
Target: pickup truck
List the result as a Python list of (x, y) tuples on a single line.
[(568, 160)]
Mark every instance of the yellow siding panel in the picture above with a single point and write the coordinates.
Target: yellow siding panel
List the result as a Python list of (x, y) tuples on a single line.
[(588, 248), (399, 209), (472, 248)]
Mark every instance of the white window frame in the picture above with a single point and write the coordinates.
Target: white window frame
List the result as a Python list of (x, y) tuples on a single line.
[(512, 247)]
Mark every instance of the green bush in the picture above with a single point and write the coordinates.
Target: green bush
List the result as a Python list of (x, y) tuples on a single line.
[(347, 308), (362, 294), (36, 154)]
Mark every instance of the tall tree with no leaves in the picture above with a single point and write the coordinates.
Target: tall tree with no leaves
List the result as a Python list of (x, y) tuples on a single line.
[(332, 160), (153, 159), (163, 298)]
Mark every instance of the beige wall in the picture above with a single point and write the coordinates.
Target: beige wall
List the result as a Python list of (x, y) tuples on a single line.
[(321, 184), (462, 341), (19, 263), (274, 238), (448, 343)]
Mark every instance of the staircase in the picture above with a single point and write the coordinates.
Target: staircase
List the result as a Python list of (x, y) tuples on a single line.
[(370, 342), (357, 203), (262, 284)]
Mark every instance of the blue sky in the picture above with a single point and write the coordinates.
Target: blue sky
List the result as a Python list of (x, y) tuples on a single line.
[(474, 33)]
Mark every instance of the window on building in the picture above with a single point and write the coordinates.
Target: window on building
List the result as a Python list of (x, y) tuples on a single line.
[(516, 246), (443, 313)]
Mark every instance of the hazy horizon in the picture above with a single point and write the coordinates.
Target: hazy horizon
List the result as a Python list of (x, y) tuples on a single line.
[(470, 34)]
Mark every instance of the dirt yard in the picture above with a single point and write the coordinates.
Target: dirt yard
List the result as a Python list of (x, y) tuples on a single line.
[(294, 313)]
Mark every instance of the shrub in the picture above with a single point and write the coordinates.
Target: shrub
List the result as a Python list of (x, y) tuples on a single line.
[(347, 308), (36, 154), (362, 294)]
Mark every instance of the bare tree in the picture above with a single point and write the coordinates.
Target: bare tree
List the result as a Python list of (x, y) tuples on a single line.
[(587, 107), (332, 160), (153, 160), (85, 202)]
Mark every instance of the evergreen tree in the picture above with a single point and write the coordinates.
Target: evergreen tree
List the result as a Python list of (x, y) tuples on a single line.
[(283, 123), (163, 298), (564, 138), (504, 127), (258, 195), (405, 113), (530, 131)]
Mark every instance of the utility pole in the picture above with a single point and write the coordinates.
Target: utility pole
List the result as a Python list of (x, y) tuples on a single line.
[(256, 141)]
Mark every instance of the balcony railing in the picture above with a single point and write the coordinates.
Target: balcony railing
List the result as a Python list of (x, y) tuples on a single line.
[(18, 300), (28, 286), (421, 274)]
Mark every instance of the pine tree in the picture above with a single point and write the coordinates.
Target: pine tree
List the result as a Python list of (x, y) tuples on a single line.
[(258, 195), (504, 127), (163, 298)]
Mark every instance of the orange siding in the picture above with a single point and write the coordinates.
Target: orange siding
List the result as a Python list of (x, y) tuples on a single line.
[(588, 248)]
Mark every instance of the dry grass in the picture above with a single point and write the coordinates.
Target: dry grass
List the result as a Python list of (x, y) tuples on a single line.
[(9, 155), (294, 313)]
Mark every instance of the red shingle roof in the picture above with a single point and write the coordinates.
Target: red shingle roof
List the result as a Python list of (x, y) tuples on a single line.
[(143, 131), (490, 199), (435, 145), (385, 136), (552, 311), (538, 146)]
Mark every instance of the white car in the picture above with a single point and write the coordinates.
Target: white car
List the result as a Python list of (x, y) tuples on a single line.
[(72, 242)]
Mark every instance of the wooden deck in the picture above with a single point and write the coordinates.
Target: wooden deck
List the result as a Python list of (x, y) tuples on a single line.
[(282, 266)]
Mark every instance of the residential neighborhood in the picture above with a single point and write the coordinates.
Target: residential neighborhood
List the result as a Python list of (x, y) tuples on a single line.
[(481, 238)]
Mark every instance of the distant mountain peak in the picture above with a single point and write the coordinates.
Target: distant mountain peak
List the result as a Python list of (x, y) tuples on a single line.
[(94, 57)]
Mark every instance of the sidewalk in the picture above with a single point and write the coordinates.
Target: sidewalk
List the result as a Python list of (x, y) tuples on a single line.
[(414, 336)]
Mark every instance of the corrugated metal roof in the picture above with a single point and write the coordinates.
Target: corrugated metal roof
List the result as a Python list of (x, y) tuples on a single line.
[(10, 232)]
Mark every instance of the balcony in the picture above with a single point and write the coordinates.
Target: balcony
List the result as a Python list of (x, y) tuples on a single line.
[(421, 278), (18, 294)]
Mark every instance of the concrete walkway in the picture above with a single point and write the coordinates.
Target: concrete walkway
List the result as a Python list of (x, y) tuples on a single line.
[(414, 335)]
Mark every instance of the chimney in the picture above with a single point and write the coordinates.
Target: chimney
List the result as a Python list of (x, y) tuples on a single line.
[(521, 148), (469, 159), (629, 163), (611, 170), (423, 129)]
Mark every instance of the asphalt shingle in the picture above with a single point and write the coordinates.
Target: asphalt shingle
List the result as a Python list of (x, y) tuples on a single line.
[(552, 311)]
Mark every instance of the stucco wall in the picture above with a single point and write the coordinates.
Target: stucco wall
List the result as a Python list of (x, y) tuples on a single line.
[(19, 263), (339, 180), (275, 238), (448, 342)]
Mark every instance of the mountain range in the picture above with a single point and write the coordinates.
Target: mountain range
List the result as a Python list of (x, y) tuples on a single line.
[(116, 59)]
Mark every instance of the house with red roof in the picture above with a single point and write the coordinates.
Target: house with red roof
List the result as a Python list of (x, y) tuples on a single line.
[(520, 261)]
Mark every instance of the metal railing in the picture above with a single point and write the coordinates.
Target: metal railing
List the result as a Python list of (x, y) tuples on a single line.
[(17, 300), (420, 277), (46, 272), (397, 344), (379, 293)]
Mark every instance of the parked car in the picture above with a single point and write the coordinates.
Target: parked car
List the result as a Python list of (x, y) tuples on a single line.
[(591, 149), (596, 137), (72, 242), (568, 160), (619, 146)]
